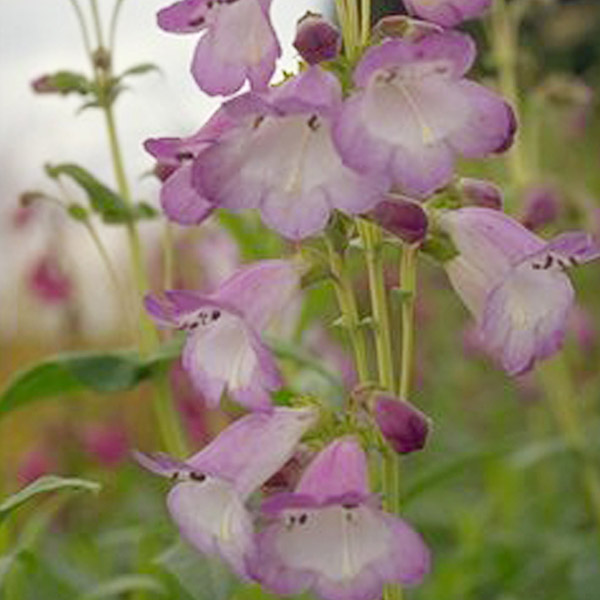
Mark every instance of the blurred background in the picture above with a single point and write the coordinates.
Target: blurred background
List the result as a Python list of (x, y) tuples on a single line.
[(500, 492)]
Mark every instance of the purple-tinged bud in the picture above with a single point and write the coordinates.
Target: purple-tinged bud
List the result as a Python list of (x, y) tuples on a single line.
[(480, 192), (401, 26), (317, 40), (403, 426), (45, 85), (541, 206), (402, 217)]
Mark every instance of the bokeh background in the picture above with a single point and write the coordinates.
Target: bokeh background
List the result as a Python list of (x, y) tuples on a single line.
[(498, 493)]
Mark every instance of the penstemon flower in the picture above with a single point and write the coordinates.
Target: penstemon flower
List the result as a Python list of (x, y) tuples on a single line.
[(280, 159), (414, 113), (514, 283), (330, 535), (224, 350), (180, 201), (208, 501), (238, 43), (447, 13)]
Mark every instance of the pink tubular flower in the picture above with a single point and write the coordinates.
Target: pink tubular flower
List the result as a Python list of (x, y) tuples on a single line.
[(447, 13), (513, 282), (238, 43), (49, 282), (280, 159), (331, 537), (414, 112), (208, 501), (224, 350), (180, 201)]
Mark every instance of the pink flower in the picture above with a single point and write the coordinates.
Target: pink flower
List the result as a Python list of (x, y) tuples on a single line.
[(49, 282), (414, 113), (208, 501), (331, 537), (224, 350), (238, 43), (514, 283), (280, 159)]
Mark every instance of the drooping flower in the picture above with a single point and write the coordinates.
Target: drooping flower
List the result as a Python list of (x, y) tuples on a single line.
[(414, 113), (49, 282), (330, 536), (514, 283), (179, 200), (447, 13), (224, 350), (280, 159), (238, 42), (208, 501), (404, 427)]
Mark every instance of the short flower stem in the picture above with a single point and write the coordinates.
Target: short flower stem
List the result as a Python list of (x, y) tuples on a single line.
[(562, 396), (349, 310), (408, 288), (372, 240)]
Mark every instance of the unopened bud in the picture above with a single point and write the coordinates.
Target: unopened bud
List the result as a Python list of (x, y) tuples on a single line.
[(401, 26), (102, 59), (480, 192), (541, 206), (402, 217), (403, 426), (44, 85), (317, 40)]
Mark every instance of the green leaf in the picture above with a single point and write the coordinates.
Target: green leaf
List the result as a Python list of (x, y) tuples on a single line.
[(124, 584), (107, 203), (140, 69), (63, 82), (47, 483), (203, 578), (104, 372)]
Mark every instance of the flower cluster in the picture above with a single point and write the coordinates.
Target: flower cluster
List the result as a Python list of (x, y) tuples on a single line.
[(375, 138)]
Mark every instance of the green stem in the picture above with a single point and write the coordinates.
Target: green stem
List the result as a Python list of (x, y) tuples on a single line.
[(112, 29), (365, 22), (504, 40), (408, 288), (97, 23), (372, 240), (83, 27), (560, 391), (167, 417), (349, 310)]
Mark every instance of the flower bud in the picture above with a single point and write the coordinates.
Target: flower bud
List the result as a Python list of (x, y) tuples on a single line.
[(402, 26), (541, 206), (402, 217), (479, 192), (404, 427), (49, 282), (317, 40), (44, 85)]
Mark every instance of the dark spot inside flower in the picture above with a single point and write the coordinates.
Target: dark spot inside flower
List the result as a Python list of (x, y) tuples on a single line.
[(350, 505), (313, 122), (196, 22), (175, 476), (574, 262), (195, 476), (184, 155), (216, 314), (547, 263), (302, 518), (258, 121), (209, 5), (194, 325)]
